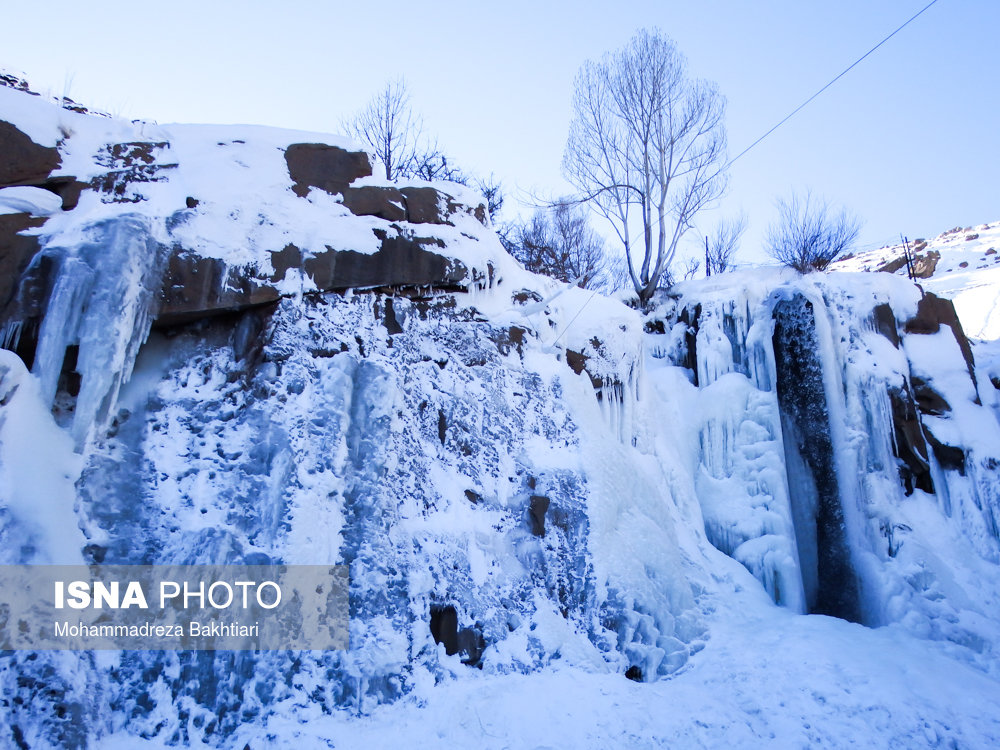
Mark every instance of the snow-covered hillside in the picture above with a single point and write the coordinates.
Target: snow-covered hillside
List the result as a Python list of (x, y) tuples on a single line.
[(962, 264), (765, 513)]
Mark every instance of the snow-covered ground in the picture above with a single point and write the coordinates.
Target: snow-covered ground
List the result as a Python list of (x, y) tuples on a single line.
[(765, 679)]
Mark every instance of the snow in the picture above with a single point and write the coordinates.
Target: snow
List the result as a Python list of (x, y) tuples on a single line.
[(37, 470), (39, 119), (30, 200), (968, 273), (765, 679)]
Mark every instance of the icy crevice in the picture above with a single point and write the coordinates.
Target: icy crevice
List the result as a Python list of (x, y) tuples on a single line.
[(815, 493)]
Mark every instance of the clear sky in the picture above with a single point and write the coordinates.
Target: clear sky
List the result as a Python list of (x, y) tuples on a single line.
[(909, 139)]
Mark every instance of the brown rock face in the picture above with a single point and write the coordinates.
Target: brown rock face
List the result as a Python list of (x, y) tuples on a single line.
[(932, 313), (325, 167), (67, 188), (538, 506), (288, 257), (423, 205), (384, 202), (333, 169), (909, 445), (22, 161), (195, 287), (16, 251), (949, 456), (929, 401), (129, 164), (885, 323), (401, 261), (577, 362)]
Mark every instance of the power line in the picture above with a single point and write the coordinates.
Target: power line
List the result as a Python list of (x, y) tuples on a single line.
[(785, 119), (573, 320), (844, 72)]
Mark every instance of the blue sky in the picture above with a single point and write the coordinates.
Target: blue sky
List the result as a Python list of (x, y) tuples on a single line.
[(908, 139)]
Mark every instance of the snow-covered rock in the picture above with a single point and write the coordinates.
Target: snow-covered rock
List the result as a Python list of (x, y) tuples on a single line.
[(961, 264)]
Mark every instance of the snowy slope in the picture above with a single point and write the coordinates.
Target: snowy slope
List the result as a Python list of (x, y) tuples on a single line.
[(772, 501), (962, 264)]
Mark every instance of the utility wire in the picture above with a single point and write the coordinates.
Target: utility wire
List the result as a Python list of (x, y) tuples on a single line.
[(846, 70), (787, 117), (593, 294)]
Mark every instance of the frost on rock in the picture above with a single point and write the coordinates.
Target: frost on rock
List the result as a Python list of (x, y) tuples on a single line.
[(469, 480)]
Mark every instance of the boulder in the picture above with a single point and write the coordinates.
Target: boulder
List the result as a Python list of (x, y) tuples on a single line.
[(22, 161), (932, 313), (925, 265), (384, 202), (893, 265), (325, 167)]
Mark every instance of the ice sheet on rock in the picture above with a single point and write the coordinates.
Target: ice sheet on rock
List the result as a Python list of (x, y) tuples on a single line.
[(100, 301), (740, 475), (970, 493)]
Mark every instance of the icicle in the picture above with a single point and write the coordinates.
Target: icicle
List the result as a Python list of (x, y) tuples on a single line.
[(741, 482), (60, 327), (101, 300), (10, 334)]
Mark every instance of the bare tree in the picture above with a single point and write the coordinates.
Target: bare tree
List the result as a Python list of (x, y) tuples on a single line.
[(690, 268), (683, 271), (646, 146), (432, 164), (560, 242), (722, 245), (808, 235), (388, 126)]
